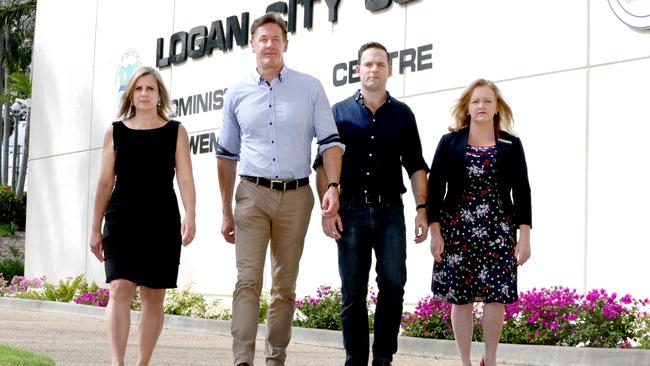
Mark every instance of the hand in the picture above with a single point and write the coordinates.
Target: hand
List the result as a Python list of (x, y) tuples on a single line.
[(97, 245), (522, 251), (332, 226), (188, 230), (437, 247), (330, 204), (228, 228), (421, 226)]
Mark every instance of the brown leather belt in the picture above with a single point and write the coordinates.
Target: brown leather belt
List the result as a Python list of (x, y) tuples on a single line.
[(275, 184)]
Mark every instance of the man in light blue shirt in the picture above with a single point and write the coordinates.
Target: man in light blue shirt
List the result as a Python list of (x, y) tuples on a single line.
[(269, 122)]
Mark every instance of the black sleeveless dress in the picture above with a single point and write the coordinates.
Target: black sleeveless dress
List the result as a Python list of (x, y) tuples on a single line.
[(142, 240)]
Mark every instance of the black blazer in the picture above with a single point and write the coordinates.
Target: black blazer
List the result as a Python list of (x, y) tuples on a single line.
[(447, 177)]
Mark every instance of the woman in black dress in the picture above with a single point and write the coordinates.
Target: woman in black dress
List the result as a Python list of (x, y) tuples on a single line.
[(479, 196), (142, 233)]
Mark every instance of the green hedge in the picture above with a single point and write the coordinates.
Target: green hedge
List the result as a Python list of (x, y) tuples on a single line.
[(12, 208)]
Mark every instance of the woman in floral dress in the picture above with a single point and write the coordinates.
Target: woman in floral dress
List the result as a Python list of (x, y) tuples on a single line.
[(479, 196)]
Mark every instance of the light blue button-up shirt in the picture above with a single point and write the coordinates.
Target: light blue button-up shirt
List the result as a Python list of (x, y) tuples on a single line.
[(269, 128)]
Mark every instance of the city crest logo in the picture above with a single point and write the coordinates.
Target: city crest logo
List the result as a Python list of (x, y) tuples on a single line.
[(634, 13), (129, 62)]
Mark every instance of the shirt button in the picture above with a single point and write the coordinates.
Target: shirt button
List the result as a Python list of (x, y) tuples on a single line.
[(273, 142), (270, 123), (273, 159), (365, 191), (367, 173), (269, 106), (372, 137), (373, 120), (370, 154)]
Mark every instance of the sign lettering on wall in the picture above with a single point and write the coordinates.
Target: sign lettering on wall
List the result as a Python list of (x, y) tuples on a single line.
[(198, 103), (199, 41), (412, 59), (408, 59), (224, 34)]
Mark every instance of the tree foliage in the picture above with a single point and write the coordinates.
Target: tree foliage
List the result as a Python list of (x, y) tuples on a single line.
[(18, 17), (20, 84), (17, 22)]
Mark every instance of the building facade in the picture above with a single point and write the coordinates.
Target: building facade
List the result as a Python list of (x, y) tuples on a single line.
[(574, 72)]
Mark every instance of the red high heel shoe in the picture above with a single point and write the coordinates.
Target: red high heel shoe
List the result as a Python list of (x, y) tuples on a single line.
[(482, 362)]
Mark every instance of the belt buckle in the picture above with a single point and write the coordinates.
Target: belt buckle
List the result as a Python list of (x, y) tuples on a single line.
[(281, 182), (369, 201)]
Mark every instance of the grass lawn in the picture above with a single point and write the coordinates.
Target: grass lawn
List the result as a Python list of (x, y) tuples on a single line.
[(16, 357)]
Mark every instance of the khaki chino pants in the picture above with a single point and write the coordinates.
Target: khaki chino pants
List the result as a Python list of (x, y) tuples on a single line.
[(262, 214)]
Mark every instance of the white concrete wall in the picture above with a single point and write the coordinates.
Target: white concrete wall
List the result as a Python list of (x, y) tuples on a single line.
[(575, 76)]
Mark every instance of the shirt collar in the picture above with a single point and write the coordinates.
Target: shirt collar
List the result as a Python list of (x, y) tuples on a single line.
[(358, 97), (258, 79)]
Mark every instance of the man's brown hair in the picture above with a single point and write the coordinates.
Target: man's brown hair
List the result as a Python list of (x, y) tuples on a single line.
[(270, 17)]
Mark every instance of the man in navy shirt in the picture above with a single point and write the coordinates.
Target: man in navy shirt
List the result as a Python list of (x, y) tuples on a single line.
[(381, 136)]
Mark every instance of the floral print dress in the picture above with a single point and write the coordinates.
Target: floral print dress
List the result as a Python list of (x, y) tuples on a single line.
[(478, 263)]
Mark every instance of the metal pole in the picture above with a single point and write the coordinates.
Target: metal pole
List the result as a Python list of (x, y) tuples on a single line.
[(14, 175)]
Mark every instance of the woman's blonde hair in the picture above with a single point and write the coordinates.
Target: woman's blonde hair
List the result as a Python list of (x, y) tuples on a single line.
[(503, 120), (127, 110)]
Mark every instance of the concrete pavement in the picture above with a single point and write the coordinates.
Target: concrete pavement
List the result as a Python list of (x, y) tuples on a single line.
[(75, 335), (80, 340)]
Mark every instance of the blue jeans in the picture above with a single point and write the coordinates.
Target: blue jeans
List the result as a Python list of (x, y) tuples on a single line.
[(367, 227)]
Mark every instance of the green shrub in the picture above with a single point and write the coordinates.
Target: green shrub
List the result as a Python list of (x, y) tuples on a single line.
[(185, 303), (321, 312), (214, 310), (14, 266), (15, 252), (68, 289), (643, 330), (19, 286), (264, 308), (10, 206), (96, 298), (430, 319), (606, 320), (31, 295), (10, 267), (8, 229), (324, 310), (556, 316), (136, 303)]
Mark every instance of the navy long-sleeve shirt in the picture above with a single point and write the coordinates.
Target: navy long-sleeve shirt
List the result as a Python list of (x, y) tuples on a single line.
[(377, 146)]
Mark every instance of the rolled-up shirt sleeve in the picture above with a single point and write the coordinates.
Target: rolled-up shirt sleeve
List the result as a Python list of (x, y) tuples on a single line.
[(229, 142), (318, 161), (412, 159), (327, 134)]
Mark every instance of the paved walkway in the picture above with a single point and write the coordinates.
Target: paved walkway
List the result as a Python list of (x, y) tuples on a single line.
[(75, 335), (79, 340)]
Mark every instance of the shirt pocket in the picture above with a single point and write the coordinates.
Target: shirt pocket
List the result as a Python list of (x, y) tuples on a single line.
[(255, 126), (293, 111)]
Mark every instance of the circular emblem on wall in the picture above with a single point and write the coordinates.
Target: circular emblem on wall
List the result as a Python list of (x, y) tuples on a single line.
[(129, 62), (634, 13)]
